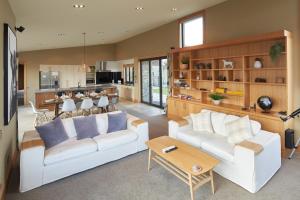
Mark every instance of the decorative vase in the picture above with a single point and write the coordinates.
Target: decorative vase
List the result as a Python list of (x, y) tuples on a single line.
[(184, 66), (216, 102), (258, 63)]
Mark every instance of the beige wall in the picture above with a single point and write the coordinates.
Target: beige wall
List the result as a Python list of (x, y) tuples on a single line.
[(153, 43), (65, 56), (8, 136)]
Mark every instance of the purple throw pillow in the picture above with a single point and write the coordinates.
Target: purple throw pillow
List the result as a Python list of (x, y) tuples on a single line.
[(52, 133), (117, 122), (86, 127)]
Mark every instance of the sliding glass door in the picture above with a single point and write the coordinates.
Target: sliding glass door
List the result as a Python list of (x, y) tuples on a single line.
[(154, 81)]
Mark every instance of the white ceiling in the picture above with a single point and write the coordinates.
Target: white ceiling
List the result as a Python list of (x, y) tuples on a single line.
[(104, 21)]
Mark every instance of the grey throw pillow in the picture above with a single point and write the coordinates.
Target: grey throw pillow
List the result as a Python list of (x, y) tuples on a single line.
[(86, 127), (52, 133), (117, 122)]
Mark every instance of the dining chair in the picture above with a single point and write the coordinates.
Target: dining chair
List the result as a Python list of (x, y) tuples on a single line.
[(113, 103), (40, 115), (86, 105), (68, 107), (103, 103)]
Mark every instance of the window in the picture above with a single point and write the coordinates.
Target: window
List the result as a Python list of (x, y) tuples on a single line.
[(129, 74), (191, 31)]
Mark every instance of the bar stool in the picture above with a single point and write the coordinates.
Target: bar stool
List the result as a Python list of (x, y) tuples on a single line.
[(103, 103), (68, 107), (86, 105)]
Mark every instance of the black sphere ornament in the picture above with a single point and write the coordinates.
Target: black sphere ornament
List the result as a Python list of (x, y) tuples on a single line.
[(265, 103)]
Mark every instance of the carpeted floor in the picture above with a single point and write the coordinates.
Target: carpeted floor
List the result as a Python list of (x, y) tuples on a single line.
[(128, 179)]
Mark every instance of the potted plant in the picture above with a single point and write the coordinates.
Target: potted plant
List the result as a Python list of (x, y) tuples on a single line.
[(216, 98), (276, 50), (184, 62)]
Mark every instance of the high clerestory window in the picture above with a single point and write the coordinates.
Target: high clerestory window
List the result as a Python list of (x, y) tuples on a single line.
[(192, 30)]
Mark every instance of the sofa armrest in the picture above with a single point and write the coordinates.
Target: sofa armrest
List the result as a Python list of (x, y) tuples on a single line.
[(258, 168), (141, 128), (175, 125), (31, 161)]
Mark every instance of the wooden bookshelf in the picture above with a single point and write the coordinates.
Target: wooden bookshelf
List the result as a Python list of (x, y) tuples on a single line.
[(206, 73)]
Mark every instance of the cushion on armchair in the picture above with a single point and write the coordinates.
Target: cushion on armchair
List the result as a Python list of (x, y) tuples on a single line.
[(52, 133)]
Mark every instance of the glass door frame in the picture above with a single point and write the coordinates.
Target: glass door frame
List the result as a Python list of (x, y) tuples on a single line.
[(150, 80)]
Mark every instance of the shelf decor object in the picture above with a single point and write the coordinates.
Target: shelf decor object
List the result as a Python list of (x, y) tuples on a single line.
[(216, 98), (265, 58), (258, 63), (265, 103)]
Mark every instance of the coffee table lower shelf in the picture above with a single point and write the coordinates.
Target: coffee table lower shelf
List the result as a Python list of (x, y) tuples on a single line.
[(194, 182)]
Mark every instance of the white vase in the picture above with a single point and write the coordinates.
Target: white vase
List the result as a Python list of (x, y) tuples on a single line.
[(216, 102), (257, 64)]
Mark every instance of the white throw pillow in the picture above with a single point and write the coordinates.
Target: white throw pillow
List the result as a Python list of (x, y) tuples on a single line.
[(69, 127), (239, 130), (202, 121), (218, 123), (255, 126)]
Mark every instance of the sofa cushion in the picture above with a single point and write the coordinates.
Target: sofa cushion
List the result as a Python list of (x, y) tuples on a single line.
[(86, 127), (218, 146), (117, 122), (115, 139), (211, 143), (69, 127), (239, 130), (202, 121), (52, 133), (195, 138), (102, 123), (255, 126), (71, 148), (218, 123)]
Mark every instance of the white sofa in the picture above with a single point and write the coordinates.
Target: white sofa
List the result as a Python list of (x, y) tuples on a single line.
[(39, 166), (238, 164)]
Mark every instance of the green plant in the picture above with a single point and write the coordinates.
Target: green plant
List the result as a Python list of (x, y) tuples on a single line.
[(276, 50), (216, 96), (185, 60)]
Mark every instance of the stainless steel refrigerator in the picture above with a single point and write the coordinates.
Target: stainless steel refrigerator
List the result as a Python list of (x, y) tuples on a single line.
[(49, 80)]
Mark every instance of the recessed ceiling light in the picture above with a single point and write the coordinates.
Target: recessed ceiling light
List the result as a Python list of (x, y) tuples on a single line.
[(60, 34), (139, 8), (78, 5), (174, 9), (100, 32)]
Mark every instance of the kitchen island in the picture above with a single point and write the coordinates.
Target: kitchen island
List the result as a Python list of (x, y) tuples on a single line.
[(46, 94)]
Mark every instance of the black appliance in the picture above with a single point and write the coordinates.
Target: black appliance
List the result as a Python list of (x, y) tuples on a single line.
[(107, 77), (103, 77)]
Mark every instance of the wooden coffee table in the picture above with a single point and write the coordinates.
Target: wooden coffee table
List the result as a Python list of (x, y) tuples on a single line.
[(180, 162)]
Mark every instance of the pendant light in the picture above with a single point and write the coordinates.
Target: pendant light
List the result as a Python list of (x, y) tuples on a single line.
[(84, 53)]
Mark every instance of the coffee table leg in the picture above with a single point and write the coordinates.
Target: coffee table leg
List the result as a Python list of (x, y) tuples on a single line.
[(149, 160), (191, 187), (212, 181)]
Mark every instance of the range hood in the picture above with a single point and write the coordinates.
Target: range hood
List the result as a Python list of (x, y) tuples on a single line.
[(101, 66)]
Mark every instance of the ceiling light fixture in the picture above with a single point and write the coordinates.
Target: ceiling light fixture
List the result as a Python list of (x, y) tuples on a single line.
[(60, 34), (174, 9), (78, 5), (139, 8)]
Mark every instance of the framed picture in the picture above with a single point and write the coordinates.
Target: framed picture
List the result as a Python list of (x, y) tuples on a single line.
[(10, 74)]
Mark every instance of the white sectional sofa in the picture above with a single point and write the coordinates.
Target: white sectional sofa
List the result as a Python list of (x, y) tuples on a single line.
[(238, 164), (39, 166)]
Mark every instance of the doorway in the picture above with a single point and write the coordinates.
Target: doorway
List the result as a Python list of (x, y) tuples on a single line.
[(154, 81), (21, 81)]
